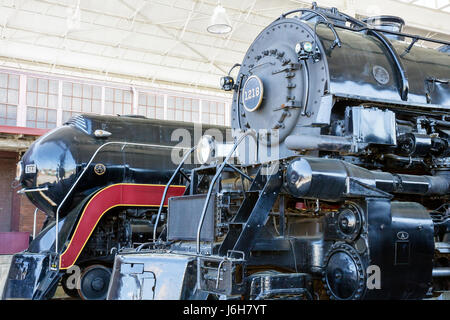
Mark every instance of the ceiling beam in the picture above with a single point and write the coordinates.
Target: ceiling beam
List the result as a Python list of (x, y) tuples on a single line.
[(163, 29)]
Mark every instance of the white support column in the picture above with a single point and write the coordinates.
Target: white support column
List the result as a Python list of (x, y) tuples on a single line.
[(135, 101), (102, 108), (227, 114), (200, 111), (22, 106), (59, 110), (165, 107)]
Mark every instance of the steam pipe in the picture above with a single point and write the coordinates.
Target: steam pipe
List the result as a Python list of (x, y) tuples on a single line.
[(329, 179), (441, 272)]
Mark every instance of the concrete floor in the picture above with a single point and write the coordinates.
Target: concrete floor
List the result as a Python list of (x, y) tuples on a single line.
[(5, 262)]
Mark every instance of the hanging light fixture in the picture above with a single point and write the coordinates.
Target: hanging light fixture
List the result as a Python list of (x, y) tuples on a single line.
[(219, 23)]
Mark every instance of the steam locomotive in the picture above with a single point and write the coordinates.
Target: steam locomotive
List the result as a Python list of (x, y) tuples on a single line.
[(100, 181), (336, 184)]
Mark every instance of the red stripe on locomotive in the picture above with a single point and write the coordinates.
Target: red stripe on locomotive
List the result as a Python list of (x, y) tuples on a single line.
[(132, 195)]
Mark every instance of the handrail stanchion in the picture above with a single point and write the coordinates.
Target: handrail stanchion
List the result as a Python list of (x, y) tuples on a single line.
[(180, 165), (34, 222)]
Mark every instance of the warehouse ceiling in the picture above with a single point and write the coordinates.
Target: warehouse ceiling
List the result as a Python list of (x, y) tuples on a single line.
[(165, 42)]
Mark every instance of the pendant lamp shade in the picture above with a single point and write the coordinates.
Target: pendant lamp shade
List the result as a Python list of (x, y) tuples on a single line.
[(219, 23)]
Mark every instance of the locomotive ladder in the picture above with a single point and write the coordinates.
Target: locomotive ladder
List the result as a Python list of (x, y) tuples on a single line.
[(253, 213), (215, 273), (249, 219)]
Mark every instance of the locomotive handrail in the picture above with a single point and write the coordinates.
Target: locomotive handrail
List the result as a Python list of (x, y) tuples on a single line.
[(363, 26), (328, 23), (378, 33), (208, 197), (34, 222), (180, 165), (388, 45), (213, 182), (395, 33), (87, 167), (25, 190)]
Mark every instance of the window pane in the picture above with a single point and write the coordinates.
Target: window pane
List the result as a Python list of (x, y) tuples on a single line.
[(76, 104), (170, 102), (179, 103), (76, 90), (66, 103), (142, 99), (53, 87), (67, 89), (87, 91), (96, 106), (109, 92), (41, 114), (32, 84), (40, 125), (52, 101), (213, 107), (117, 108), (3, 80), (96, 92), (31, 98), (31, 114), (3, 95), (86, 107), (42, 100), (160, 101), (51, 115), (108, 107), (170, 114), (159, 114), (12, 112), (127, 96), (118, 95), (42, 85), (14, 82)]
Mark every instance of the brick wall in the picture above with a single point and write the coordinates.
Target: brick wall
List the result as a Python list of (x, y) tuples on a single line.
[(8, 162), (16, 211), (27, 216)]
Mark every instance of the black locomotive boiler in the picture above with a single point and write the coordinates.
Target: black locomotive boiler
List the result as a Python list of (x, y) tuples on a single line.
[(341, 186), (100, 179)]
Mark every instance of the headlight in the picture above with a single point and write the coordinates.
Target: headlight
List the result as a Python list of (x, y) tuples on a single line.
[(18, 170), (206, 149)]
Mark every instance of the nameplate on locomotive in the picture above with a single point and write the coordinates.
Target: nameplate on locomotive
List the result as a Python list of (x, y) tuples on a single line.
[(252, 93)]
